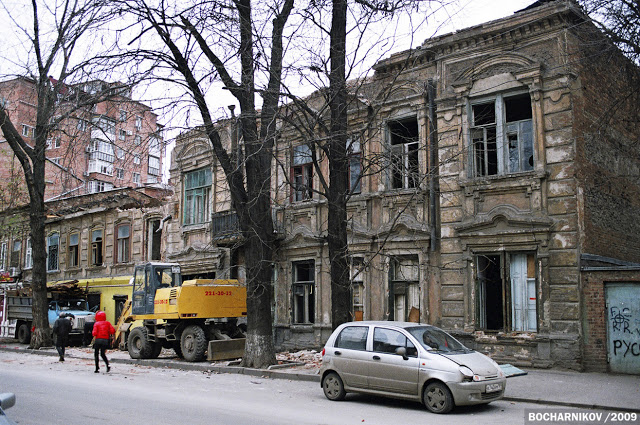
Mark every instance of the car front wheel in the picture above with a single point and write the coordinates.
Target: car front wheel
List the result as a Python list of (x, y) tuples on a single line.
[(437, 398), (333, 387)]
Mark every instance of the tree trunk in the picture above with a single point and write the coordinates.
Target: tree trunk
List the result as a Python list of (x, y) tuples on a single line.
[(338, 170)]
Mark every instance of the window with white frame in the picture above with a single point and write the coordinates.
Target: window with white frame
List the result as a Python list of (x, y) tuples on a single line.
[(303, 292), (81, 125), (197, 196), (302, 173), (138, 123), (28, 131), (123, 115), (136, 178), (506, 292), (96, 186), (404, 291), (403, 140), (107, 125), (136, 159), (502, 135), (137, 140), (154, 165), (53, 245), (120, 173), (3, 255), (119, 153), (28, 257), (122, 135)]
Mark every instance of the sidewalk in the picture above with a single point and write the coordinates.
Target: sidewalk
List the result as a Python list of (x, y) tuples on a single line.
[(553, 387)]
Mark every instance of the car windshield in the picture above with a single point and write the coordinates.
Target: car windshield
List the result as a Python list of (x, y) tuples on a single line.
[(434, 339)]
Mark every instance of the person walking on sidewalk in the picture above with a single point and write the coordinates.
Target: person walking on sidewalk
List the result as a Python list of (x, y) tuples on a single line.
[(102, 330), (61, 330)]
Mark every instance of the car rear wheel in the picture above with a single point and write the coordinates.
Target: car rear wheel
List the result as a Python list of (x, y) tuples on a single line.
[(333, 387), (437, 398)]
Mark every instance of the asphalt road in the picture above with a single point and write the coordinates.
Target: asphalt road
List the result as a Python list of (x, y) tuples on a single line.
[(49, 392)]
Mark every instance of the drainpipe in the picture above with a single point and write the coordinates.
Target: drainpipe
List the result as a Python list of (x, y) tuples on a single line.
[(433, 162)]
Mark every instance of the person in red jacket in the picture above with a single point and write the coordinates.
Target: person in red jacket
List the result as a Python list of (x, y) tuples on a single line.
[(102, 330)]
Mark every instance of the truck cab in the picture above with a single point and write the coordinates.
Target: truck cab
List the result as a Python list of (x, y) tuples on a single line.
[(78, 308), (147, 279)]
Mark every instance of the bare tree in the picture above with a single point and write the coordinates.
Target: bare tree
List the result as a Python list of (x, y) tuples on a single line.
[(56, 33), (206, 33), (329, 130)]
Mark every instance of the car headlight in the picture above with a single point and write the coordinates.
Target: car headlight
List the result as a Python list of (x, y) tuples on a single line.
[(467, 373)]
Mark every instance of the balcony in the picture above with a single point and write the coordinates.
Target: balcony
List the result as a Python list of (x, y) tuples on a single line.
[(224, 225), (100, 134), (101, 156)]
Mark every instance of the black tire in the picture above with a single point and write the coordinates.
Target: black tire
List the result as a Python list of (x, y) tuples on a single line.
[(437, 398), (176, 347), (333, 387), (193, 343), (138, 343), (24, 334), (155, 350)]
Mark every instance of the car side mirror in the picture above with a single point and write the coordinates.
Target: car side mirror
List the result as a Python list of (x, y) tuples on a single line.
[(7, 400), (402, 351)]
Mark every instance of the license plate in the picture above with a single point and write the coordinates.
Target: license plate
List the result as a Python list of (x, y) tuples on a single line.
[(493, 387)]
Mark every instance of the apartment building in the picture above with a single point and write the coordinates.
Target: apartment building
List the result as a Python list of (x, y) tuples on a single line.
[(108, 144)]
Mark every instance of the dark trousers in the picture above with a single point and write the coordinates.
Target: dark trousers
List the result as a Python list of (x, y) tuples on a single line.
[(100, 348), (60, 349)]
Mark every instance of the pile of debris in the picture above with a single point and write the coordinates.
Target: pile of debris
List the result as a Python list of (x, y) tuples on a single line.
[(310, 358)]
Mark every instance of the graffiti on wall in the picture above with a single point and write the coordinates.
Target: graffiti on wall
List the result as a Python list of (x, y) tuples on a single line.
[(626, 329)]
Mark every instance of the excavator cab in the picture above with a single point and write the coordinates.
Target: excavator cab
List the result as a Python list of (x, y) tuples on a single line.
[(147, 279)]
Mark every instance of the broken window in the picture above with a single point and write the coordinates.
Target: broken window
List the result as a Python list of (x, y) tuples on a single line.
[(96, 247), (355, 165), (123, 238), (303, 290), (74, 251), (53, 242), (302, 173), (403, 145), (357, 288), (15, 253), (404, 293), (154, 240), (197, 196), (502, 135), (506, 292)]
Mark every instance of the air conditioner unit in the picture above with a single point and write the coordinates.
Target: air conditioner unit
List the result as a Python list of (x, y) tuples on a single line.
[(129, 133), (14, 271), (87, 149), (85, 174)]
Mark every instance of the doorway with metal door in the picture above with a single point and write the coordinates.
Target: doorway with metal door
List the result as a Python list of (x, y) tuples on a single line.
[(623, 326)]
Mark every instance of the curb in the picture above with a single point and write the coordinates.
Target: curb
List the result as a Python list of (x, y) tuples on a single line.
[(308, 377)]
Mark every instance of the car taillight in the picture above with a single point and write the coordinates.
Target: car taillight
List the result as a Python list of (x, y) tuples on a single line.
[(323, 352)]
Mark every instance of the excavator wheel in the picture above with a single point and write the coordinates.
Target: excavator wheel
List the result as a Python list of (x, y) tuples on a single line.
[(193, 343), (156, 350), (138, 343)]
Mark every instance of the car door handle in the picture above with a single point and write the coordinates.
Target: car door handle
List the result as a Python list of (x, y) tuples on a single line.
[(337, 353), (376, 357)]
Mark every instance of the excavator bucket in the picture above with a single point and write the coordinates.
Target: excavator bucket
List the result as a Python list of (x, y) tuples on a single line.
[(124, 322)]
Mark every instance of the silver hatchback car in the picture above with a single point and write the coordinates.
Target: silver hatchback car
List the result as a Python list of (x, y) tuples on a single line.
[(411, 361)]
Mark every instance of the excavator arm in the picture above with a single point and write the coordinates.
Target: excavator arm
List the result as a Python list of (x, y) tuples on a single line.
[(122, 325)]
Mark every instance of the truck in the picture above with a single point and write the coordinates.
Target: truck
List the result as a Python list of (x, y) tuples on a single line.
[(191, 317), (17, 318)]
